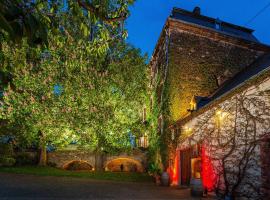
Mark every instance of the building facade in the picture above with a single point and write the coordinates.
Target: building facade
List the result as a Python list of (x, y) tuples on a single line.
[(210, 80)]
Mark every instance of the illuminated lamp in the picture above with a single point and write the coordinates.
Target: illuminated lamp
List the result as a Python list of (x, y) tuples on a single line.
[(187, 130), (143, 141), (220, 115)]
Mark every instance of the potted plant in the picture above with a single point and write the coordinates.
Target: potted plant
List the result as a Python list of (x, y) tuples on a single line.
[(155, 172)]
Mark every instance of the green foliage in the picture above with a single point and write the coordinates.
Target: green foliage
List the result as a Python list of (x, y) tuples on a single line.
[(209, 61), (100, 101), (154, 169), (6, 150), (84, 85), (23, 158), (7, 161), (49, 171), (34, 20)]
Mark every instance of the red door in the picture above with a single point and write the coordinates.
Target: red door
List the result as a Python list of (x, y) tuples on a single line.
[(185, 161)]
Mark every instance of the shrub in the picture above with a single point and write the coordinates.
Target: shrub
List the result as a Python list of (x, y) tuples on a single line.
[(7, 161), (24, 158), (154, 170), (52, 164), (6, 150)]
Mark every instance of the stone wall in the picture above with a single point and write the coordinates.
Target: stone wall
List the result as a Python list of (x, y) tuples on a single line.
[(231, 131), (61, 159), (199, 65), (265, 164)]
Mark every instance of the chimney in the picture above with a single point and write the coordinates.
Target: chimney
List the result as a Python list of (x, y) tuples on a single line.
[(197, 10)]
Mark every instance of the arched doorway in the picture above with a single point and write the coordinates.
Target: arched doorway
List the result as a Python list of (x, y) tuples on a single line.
[(124, 164), (78, 165)]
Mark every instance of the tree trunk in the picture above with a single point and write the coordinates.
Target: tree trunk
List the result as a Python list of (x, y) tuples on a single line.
[(43, 156), (42, 150), (98, 161)]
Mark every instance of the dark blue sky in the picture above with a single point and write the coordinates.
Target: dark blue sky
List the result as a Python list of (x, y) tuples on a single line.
[(148, 17)]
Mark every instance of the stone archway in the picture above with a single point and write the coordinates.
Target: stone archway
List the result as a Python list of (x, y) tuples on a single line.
[(128, 165), (78, 165)]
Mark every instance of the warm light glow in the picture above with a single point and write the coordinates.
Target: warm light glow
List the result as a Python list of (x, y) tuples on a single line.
[(221, 115), (196, 168), (174, 170), (209, 176), (187, 130), (143, 141), (172, 134)]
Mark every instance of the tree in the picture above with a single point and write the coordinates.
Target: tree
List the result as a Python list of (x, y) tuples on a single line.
[(35, 19), (65, 94)]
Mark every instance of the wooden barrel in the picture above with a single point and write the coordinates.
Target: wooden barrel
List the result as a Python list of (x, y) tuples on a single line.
[(196, 187)]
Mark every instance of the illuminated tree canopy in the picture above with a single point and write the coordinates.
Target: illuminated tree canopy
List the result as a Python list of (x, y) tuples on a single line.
[(84, 86)]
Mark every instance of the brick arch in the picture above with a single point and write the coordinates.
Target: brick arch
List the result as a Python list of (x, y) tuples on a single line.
[(129, 164), (84, 163)]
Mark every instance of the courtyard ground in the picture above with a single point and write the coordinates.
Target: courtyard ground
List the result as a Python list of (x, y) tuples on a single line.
[(18, 186)]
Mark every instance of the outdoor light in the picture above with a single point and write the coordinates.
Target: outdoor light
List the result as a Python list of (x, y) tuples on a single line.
[(173, 134), (143, 141), (221, 115), (187, 130)]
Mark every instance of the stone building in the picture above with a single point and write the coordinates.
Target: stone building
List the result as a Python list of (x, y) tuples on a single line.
[(204, 70)]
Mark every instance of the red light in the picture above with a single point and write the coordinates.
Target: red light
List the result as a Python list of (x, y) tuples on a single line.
[(209, 176), (174, 170)]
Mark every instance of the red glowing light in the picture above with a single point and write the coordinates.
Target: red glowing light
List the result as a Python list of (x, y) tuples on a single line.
[(173, 171), (209, 176)]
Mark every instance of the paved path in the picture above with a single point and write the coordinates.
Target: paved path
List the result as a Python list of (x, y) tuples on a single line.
[(15, 186)]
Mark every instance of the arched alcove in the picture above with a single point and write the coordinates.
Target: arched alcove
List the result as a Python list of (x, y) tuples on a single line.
[(78, 165), (128, 165)]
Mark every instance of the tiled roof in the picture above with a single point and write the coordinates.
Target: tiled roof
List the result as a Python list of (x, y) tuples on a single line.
[(260, 68), (259, 65), (214, 24)]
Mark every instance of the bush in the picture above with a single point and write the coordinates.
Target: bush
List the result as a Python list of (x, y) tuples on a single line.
[(24, 158), (154, 170), (7, 161), (6, 150), (52, 164)]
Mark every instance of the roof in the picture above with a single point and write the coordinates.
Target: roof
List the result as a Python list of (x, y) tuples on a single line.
[(194, 22), (254, 69), (259, 68), (215, 24)]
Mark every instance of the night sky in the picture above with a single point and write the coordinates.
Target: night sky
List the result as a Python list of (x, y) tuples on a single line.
[(148, 17)]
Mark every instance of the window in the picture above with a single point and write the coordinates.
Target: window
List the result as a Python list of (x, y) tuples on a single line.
[(172, 134), (218, 24)]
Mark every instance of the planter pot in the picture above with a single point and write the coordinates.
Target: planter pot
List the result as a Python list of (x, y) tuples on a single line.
[(228, 197), (157, 180), (165, 179), (196, 187)]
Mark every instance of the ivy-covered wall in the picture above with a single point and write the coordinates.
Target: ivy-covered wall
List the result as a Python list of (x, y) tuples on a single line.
[(185, 64), (197, 65)]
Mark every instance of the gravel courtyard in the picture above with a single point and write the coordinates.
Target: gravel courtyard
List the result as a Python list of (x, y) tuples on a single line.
[(15, 186)]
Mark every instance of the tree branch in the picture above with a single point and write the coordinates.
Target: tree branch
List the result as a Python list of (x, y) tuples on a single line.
[(91, 8)]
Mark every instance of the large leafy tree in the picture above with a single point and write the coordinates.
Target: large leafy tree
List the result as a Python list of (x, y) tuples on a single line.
[(77, 88), (34, 19)]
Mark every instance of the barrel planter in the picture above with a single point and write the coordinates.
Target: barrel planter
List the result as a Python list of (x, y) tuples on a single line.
[(165, 179), (196, 187)]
